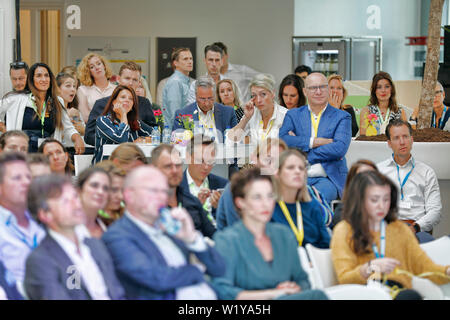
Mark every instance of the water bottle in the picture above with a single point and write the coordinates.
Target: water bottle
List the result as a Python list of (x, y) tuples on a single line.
[(225, 133), (210, 133), (167, 135), (156, 136)]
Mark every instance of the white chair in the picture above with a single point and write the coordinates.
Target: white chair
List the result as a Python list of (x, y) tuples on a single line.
[(439, 251), (322, 265), (356, 292), (326, 279), (306, 265), (82, 162)]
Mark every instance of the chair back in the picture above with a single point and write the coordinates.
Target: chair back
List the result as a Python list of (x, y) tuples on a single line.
[(82, 162), (322, 266)]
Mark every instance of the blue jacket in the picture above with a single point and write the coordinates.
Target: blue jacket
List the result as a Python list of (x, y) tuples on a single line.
[(142, 269), (215, 182), (334, 124), (8, 284), (223, 116), (47, 273), (195, 209)]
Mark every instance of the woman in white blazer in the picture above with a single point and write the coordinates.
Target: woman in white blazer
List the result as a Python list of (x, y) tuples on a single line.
[(38, 111)]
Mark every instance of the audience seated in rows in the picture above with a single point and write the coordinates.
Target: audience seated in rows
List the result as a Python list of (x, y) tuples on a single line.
[(150, 262), (68, 264), (38, 111), (324, 133), (261, 257), (129, 75), (168, 160)]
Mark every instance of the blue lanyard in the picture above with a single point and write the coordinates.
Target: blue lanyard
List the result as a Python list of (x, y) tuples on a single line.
[(406, 177), (21, 236), (433, 123), (382, 241)]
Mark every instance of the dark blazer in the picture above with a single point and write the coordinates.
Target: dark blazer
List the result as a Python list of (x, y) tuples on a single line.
[(195, 209), (215, 182), (142, 269), (8, 284), (224, 117), (145, 114), (334, 124), (47, 273)]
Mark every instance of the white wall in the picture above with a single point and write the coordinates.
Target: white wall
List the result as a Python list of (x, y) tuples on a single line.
[(399, 19), (257, 32)]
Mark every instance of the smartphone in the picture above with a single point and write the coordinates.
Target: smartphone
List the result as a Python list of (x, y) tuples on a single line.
[(220, 190), (170, 224)]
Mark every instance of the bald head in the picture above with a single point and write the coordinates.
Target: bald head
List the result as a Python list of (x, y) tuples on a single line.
[(316, 90), (145, 191)]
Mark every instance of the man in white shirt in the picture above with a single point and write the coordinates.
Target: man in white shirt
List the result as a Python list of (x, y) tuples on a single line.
[(151, 254), (213, 62), (19, 233), (240, 74), (68, 264), (420, 199)]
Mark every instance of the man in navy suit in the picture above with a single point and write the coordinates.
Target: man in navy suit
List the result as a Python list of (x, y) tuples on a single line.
[(212, 116), (198, 179), (67, 264), (129, 75), (150, 262), (168, 160), (324, 133)]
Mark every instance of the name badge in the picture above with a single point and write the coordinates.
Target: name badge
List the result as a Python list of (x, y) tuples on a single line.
[(405, 204)]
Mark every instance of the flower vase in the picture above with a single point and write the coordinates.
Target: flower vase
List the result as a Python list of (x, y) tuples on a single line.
[(371, 131)]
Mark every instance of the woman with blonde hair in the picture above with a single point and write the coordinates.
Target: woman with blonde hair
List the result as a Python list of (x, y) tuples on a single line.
[(337, 95), (127, 156), (94, 73), (263, 116), (228, 94), (295, 207)]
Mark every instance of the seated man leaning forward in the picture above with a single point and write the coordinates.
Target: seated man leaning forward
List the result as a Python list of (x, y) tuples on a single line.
[(324, 133), (150, 262), (167, 159), (198, 179), (66, 265), (420, 199)]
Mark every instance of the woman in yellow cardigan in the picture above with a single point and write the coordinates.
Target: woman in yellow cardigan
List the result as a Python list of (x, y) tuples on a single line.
[(370, 241)]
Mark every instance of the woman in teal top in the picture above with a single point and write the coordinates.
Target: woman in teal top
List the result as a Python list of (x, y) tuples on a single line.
[(295, 207), (262, 261)]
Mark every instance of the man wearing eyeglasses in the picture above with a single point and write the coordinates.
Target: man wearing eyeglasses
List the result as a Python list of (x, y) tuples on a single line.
[(440, 114), (324, 133), (18, 74), (152, 262), (214, 117)]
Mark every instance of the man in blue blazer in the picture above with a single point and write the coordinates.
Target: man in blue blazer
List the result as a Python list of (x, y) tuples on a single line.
[(324, 133), (205, 112), (67, 264), (150, 262)]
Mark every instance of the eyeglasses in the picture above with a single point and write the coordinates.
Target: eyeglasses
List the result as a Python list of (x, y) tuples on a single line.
[(206, 99), (18, 65), (154, 190), (314, 88), (438, 92)]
